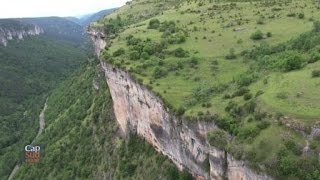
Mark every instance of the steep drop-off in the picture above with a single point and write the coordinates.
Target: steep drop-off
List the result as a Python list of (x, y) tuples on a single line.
[(139, 111)]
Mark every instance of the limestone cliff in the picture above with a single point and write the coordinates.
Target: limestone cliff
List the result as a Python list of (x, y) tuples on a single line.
[(10, 33), (140, 111)]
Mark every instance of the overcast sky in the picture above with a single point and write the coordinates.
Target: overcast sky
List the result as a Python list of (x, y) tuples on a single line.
[(41, 8)]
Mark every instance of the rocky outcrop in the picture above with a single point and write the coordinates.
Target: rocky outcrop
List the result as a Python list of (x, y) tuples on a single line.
[(140, 111), (7, 34)]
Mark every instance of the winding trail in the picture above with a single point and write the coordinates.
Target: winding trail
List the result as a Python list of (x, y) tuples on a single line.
[(41, 128)]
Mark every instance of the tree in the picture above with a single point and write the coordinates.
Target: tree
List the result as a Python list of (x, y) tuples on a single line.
[(179, 52), (154, 24), (134, 55), (258, 35)]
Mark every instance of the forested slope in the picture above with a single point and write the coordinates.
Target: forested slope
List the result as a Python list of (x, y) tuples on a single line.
[(81, 138), (29, 69)]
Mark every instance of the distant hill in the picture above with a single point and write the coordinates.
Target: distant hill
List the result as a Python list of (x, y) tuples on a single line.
[(59, 28), (11, 29), (85, 20)]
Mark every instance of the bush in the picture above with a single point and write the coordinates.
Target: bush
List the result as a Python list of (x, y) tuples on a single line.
[(293, 147), (231, 54), (179, 52), (134, 55), (218, 138), (301, 16), (292, 61), (258, 35), (145, 55), (119, 52), (316, 26), (314, 55), (316, 73), (154, 24), (269, 34), (240, 92), (249, 131), (263, 125), (247, 96), (260, 21), (159, 73), (180, 111)]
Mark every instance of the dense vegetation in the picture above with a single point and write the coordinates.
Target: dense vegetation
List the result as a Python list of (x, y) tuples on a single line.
[(251, 66), (81, 138), (26, 78)]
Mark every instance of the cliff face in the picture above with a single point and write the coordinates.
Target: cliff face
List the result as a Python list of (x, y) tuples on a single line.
[(140, 111), (7, 34)]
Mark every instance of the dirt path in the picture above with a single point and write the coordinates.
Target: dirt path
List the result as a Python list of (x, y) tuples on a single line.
[(41, 128)]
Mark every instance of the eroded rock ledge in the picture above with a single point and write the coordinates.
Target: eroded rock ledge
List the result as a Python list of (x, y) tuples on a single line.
[(9, 34), (140, 111)]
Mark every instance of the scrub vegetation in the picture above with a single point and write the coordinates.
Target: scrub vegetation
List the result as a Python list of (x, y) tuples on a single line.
[(253, 65)]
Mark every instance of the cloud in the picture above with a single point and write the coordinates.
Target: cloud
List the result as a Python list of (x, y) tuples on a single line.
[(41, 8)]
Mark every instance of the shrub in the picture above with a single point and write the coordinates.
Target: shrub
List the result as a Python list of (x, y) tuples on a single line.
[(250, 107), (316, 26), (263, 125), (159, 73), (202, 93), (293, 147), (240, 92), (154, 24), (314, 55), (293, 61), (148, 48), (249, 131), (315, 73), (179, 52), (218, 138), (269, 34), (247, 96), (180, 111), (231, 54), (291, 14), (258, 35), (119, 52), (145, 55), (260, 21), (259, 93), (134, 55), (288, 165), (301, 16)]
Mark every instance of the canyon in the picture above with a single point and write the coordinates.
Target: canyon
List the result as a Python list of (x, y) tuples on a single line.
[(139, 111)]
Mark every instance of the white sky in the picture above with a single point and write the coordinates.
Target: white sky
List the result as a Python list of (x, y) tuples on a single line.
[(41, 8)]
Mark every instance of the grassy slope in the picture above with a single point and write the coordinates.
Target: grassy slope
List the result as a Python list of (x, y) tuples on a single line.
[(211, 42), (80, 140), (214, 47)]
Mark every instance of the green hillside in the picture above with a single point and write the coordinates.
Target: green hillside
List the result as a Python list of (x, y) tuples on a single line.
[(29, 70), (80, 137), (254, 64)]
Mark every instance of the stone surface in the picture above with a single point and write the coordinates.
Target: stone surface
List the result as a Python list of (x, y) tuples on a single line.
[(9, 34), (138, 110)]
